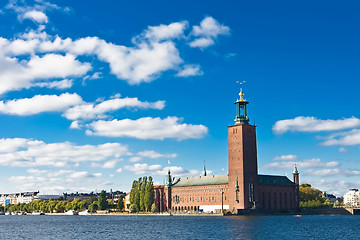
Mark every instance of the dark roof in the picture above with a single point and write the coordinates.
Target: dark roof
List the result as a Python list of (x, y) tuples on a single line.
[(274, 180), (202, 180)]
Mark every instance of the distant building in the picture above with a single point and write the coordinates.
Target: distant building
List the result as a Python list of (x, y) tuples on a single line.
[(15, 198), (127, 202), (352, 198), (239, 190), (330, 197)]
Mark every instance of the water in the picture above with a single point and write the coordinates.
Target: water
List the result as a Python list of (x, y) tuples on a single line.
[(179, 227)]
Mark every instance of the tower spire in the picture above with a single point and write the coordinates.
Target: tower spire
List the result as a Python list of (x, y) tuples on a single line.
[(204, 169), (241, 109)]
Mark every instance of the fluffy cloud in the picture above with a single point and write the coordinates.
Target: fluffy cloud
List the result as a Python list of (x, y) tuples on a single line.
[(207, 32), (39, 104), (312, 124), (84, 174), (154, 52), (15, 75), (333, 172), (289, 157), (93, 110), (153, 154), (190, 70), (344, 138), (36, 16), (63, 84), (202, 43), (145, 169), (22, 152), (58, 182), (147, 128), (310, 163), (108, 164), (164, 32)]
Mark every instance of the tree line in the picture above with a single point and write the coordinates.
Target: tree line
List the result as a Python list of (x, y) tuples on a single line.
[(49, 206), (312, 198), (142, 195)]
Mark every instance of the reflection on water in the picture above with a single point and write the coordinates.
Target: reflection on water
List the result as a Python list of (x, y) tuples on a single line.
[(179, 227)]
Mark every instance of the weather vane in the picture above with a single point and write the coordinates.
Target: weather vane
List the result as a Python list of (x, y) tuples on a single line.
[(241, 94)]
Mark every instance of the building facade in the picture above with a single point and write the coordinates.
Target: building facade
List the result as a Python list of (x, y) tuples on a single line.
[(239, 190), (352, 198), (15, 198)]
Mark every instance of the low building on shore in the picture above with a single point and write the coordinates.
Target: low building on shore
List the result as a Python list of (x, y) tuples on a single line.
[(15, 198), (352, 198)]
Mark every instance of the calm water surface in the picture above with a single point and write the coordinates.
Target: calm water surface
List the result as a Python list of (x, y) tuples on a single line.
[(179, 227)]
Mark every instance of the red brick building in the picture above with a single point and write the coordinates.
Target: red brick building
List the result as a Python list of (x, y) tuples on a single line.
[(239, 190)]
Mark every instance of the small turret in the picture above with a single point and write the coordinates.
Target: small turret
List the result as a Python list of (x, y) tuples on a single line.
[(296, 175), (169, 180)]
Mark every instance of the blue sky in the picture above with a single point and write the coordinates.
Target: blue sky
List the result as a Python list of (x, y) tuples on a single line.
[(95, 95)]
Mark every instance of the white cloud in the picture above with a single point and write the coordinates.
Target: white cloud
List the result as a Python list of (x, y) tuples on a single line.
[(108, 164), (63, 84), (15, 75), (153, 154), (346, 172), (289, 157), (209, 27), (39, 104), (75, 125), (312, 124), (31, 153), (36, 16), (342, 150), (344, 138), (165, 32), (93, 111), (154, 52), (119, 170), (202, 43), (135, 159), (84, 174), (310, 163), (145, 169), (207, 32), (147, 128), (190, 70)]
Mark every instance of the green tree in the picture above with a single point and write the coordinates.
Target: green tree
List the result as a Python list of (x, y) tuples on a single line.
[(120, 203), (154, 208), (149, 195), (93, 207), (133, 208), (103, 204), (312, 198)]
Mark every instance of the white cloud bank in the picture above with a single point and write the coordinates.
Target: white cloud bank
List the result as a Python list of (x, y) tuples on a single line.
[(312, 124), (147, 128), (21, 152), (145, 169), (310, 163), (51, 57), (99, 110), (39, 104)]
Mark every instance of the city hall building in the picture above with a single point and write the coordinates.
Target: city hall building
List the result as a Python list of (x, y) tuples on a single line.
[(241, 190)]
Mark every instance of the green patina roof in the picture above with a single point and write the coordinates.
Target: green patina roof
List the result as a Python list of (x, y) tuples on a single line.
[(274, 180), (202, 180)]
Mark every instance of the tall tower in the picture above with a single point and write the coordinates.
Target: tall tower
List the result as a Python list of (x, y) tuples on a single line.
[(242, 159), (296, 175)]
